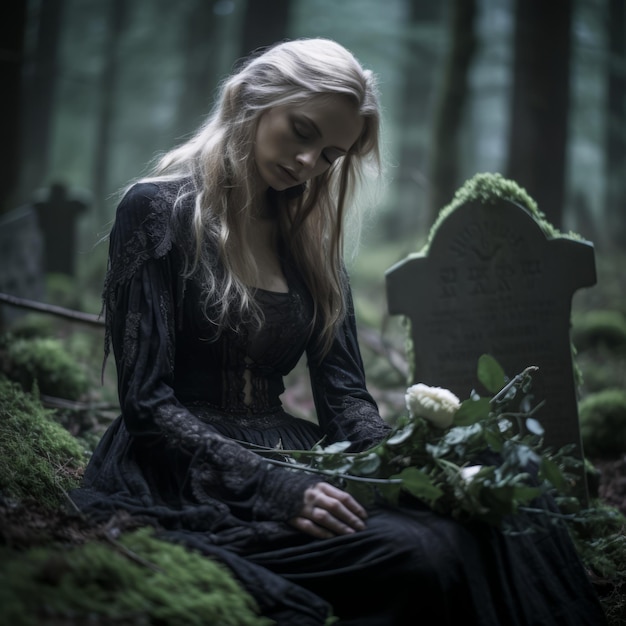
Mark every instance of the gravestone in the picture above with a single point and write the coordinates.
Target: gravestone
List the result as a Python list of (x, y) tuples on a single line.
[(57, 215), (492, 281), (21, 250)]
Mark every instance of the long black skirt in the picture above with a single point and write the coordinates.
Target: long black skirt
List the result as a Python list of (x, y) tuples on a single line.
[(409, 566)]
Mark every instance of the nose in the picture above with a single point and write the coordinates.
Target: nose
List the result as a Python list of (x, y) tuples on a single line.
[(308, 158)]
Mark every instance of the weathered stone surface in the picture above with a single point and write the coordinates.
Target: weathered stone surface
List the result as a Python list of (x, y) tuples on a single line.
[(21, 250), (493, 282), (57, 215)]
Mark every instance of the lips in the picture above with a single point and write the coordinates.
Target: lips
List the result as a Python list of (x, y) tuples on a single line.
[(289, 175)]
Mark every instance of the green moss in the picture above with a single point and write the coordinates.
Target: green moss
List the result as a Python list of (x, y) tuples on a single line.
[(39, 459), (599, 328), (599, 539), (32, 325), (62, 290), (601, 369), (598, 534), (489, 188), (143, 580), (44, 360), (603, 422)]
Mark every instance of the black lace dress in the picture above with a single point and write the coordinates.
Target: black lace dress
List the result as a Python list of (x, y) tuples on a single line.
[(172, 459)]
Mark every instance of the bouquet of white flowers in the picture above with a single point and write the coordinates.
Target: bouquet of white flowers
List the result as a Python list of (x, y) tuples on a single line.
[(482, 458)]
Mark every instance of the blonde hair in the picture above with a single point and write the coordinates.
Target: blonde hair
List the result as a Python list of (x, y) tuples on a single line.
[(219, 158)]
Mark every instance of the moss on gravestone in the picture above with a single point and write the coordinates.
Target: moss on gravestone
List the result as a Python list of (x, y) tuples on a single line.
[(39, 459), (603, 423), (137, 580), (489, 188)]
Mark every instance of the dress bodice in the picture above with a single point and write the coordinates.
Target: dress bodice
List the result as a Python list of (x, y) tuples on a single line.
[(242, 370)]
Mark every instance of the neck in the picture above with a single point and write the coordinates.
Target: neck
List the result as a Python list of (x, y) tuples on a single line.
[(265, 207)]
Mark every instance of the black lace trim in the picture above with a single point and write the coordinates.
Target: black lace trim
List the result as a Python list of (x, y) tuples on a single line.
[(357, 414), (223, 468), (152, 240)]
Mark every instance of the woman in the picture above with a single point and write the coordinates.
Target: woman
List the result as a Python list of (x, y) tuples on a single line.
[(225, 268)]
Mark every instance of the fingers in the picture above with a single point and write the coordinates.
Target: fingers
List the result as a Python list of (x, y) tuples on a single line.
[(329, 511), (311, 528), (344, 498)]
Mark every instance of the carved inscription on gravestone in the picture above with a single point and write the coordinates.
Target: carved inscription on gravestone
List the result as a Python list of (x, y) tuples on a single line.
[(492, 282)]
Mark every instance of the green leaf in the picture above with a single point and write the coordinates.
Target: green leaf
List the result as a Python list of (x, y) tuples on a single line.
[(550, 471), (490, 374), (519, 455), (534, 426), (502, 495), (401, 435), (418, 484), (338, 446), (472, 411), (494, 440), (367, 465), (524, 493)]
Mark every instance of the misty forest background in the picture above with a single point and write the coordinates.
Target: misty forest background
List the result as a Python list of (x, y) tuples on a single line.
[(535, 90), (93, 90)]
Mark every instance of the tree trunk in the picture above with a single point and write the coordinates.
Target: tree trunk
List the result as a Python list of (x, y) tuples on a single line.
[(11, 60), (538, 135), (264, 24), (199, 48), (616, 126), (421, 62), (107, 111), (39, 94), (444, 174)]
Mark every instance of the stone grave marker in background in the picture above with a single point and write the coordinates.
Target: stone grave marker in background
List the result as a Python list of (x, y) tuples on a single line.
[(57, 215), (491, 281), (21, 252)]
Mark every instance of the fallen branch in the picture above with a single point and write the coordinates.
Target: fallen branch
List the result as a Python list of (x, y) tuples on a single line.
[(51, 309)]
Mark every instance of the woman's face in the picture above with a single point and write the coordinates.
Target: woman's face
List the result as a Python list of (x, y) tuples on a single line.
[(297, 142)]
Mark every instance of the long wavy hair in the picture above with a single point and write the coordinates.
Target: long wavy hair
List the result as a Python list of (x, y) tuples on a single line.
[(219, 159)]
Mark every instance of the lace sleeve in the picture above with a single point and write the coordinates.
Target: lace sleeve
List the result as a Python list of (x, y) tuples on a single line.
[(345, 409), (142, 290)]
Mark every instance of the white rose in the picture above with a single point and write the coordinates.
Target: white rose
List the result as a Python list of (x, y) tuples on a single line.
[(435, 404)]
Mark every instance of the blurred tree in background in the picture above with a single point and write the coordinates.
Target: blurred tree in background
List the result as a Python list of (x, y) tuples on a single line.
[(541, 102), (535, 90)]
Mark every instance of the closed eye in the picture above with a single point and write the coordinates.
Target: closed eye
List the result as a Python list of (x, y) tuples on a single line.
[(300, 131), (307, 131)]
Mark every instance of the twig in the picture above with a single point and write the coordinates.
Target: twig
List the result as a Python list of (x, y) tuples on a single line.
[(352, 477), (129, 553), (548, 513), (74, 405), (52, 309), (513, 383), (69, 500)]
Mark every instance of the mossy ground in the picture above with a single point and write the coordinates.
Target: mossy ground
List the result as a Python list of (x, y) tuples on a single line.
[(40, 460), (136, 580), (57, 568)]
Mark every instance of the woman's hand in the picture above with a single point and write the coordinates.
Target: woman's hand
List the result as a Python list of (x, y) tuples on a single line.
[(328, 511)]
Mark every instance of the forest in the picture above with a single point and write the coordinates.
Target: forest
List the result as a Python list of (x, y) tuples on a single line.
[(531, 90)]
